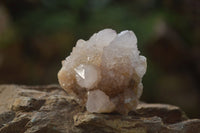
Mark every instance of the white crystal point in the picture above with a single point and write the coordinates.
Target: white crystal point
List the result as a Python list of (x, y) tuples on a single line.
[(99, 102), (103, 37), (87, 76), (141, 67), (105, 72), (125, 39)]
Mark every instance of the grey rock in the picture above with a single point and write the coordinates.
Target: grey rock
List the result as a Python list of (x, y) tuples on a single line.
[(48, 109), (6, 117)]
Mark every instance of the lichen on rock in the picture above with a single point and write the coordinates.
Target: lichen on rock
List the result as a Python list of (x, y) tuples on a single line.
[(105, 73)]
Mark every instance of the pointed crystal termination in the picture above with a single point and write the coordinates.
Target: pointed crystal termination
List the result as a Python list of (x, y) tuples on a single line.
[(105, 73)]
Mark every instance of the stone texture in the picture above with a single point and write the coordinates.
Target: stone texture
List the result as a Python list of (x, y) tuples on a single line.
[(48, 109), (109, 64)]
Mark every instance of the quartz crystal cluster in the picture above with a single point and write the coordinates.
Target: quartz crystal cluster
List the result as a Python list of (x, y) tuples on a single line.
[(105, 72)]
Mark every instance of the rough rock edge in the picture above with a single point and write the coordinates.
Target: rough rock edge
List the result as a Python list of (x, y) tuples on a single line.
[(40, 109)]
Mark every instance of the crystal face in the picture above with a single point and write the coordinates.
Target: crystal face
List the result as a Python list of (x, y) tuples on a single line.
[(105, 73)]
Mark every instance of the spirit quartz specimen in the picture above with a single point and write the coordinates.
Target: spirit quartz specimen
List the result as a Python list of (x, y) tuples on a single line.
[(105, 72)]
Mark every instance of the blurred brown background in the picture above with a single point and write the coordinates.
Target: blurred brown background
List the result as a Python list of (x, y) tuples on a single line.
[(35, 35)]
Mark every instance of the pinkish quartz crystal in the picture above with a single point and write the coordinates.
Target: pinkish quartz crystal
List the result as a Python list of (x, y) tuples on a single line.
[(105, 73)]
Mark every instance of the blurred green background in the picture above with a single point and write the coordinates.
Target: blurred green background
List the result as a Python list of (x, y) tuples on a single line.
[(35, 35)]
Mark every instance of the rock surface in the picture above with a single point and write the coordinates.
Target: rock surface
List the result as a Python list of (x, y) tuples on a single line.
[(48, 109)]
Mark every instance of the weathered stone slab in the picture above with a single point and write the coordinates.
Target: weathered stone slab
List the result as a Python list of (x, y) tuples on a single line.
[(48, 109)]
